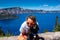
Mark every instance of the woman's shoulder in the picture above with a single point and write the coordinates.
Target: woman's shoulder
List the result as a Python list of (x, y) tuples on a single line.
[(24, 23)]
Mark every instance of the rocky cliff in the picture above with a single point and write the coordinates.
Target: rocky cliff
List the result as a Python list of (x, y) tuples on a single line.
[(16, 10)]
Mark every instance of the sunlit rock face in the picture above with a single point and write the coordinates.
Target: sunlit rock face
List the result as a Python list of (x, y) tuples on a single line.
[(19, 10)]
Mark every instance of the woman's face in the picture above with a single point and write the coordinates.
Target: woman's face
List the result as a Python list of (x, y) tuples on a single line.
[(29, 22)]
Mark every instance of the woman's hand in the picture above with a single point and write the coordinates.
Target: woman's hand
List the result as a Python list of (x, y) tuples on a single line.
[(22, 37)]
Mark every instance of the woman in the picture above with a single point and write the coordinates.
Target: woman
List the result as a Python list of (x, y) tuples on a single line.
[(28, 28)]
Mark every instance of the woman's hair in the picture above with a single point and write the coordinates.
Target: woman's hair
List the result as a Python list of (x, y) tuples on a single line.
[(32, 18)]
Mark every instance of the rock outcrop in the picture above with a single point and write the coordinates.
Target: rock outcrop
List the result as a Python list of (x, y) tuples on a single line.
[(9, 38), (46, 36), (50, 35)]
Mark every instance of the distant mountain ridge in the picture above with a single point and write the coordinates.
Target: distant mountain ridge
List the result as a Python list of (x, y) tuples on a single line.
[(18, 10)]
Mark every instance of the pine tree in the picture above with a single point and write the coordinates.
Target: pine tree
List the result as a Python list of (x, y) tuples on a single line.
[(57, 26), (7, 33), (1, 32)]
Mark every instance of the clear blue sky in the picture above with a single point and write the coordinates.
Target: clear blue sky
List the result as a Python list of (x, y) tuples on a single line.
[(31, 4)]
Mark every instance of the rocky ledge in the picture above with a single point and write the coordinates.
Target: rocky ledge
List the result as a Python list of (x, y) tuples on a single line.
[(46, 36), (50, 35)]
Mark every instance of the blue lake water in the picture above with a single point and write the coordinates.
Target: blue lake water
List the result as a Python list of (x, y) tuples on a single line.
[(45, 20)]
